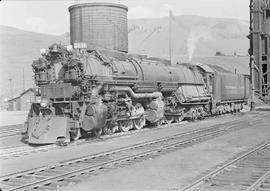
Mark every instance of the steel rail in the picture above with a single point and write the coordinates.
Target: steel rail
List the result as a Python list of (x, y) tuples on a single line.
[(23, 150), (201, 181), (124, 154), (9, 130), (256, 184)]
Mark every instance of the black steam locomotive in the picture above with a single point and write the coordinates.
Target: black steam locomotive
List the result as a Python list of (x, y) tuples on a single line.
[(96, 87), (96, 91)]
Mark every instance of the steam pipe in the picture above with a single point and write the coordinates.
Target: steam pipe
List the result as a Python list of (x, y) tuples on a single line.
[(136, 95)]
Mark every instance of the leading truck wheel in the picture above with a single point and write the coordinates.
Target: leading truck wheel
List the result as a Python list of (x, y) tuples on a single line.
[(98, 132), (109, 129), (179, 118), (75, 134), (169, 119)]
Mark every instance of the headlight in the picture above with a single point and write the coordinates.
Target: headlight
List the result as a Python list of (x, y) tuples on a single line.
[(44, 102), (69, 48), (42, 51)]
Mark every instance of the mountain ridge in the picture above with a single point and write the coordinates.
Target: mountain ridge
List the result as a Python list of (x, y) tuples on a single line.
[(193, 36)]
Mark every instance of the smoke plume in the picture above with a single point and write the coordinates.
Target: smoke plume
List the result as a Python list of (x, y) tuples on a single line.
[(193, 38)]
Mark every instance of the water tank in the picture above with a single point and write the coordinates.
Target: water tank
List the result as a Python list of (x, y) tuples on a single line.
[(100, 25)]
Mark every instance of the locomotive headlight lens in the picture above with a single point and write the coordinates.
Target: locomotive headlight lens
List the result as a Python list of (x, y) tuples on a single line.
[(44, 102), (69, 48), (42, 51)]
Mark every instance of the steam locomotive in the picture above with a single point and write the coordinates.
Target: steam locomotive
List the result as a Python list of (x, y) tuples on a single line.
[(101, 92)]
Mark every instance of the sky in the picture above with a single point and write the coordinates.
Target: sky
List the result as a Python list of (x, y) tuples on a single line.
[(52, 16)]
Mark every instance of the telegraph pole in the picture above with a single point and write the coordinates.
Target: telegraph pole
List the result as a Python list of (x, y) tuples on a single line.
[(170, 36), (23, 81), (10, 86)]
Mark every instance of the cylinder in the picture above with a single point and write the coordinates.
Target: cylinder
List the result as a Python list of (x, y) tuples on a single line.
[(99, 25)]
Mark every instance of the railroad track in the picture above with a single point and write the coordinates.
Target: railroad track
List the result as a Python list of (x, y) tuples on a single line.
[(250, 172), (72, 171), (10, 130), (6, 153), (26, 149), (261, 184)]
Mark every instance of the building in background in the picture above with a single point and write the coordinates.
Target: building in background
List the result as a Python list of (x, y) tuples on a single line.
[(24, 100)]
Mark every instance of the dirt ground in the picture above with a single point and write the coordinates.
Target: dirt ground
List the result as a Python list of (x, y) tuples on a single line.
[(12, 117), (168, 172), (8, 118), (56, 154), (175, 170)]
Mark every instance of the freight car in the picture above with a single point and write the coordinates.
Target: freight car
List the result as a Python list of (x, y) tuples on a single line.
[(88, 91)]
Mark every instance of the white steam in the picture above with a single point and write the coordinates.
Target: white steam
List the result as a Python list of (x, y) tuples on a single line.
[(194, 37)]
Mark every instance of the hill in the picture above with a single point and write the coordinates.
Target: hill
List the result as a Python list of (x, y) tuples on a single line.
[(194, 37), (18, 49)]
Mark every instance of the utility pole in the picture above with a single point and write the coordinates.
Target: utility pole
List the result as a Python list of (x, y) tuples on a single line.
[(170, 35), (252, 76), (10, 86), (23, 81)]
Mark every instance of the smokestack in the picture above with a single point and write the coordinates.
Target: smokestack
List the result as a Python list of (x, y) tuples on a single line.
[(170, 35)]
